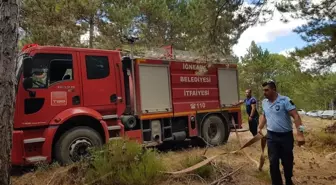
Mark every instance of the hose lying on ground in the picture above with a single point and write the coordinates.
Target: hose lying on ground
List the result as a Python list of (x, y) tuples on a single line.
[(249, 143)]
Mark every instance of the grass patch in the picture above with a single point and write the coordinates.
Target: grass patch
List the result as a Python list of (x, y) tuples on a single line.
[(331, 129), (326, 139), (43, 166), (125, 162), (320, 140), (204, 172), (263, 175)]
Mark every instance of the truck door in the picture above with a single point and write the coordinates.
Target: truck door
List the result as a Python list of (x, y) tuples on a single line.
[(99, 84), (56, 88)]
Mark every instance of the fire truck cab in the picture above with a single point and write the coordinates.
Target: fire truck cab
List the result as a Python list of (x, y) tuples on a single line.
[(69, 99)]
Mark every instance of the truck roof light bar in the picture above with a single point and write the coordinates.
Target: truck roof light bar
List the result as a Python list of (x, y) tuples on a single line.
[(28, 46)]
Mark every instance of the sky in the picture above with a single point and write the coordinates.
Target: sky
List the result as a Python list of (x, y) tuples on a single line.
[(275, 36)]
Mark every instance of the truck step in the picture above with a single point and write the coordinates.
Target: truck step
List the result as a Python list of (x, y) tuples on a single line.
[(150, 144), (112, 116), (168, 139), (114, 138), (34, 140), (35, 159), (116, 127)]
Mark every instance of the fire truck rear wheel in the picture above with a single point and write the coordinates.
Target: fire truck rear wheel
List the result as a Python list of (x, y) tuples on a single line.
[(74, 144), (213, 130)]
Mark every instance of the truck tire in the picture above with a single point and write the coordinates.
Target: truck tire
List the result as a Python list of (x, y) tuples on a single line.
[(74, 143), (214, 130)]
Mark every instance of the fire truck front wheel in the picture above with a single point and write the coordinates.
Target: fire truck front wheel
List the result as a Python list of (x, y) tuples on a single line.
[(213, 130), (74, 144)]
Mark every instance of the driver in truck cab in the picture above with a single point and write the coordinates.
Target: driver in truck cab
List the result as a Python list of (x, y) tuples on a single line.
[(39, 77)]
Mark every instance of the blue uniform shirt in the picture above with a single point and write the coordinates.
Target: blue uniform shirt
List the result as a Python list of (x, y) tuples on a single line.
[(277, 114), (248, 104)]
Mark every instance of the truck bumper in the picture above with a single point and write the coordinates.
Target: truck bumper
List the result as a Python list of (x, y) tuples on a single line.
[(17, 152)]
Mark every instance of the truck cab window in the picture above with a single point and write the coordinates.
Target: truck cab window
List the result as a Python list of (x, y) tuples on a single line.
[(97, 67), (50, 68), (60, 70)]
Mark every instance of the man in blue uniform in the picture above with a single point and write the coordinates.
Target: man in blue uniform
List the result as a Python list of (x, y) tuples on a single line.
[(277, 110), (251, 110)]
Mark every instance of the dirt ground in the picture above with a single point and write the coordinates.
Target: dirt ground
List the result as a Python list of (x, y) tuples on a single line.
[(311, 165)]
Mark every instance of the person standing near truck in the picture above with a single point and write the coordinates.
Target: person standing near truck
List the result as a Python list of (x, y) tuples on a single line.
[(277, 110), (251, 110)]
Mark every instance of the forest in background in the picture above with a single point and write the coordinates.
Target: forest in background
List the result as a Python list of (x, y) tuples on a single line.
[(208, 27), (309, 89)]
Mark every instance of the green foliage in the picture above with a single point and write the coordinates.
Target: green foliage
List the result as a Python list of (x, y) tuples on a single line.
[(259, 65), (50, 22), (208, 27), (308, 91), (125, 162), (118, 20), (320, 90), (205, 171), (320, 30)]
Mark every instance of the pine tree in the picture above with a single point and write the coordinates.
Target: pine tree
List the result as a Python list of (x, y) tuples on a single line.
[(50, 22), (320, 30)]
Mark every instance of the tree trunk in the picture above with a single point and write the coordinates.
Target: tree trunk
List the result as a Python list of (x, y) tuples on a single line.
[(9, 11), (91, 24)]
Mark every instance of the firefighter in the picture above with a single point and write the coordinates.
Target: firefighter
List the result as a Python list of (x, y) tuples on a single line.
[(251, 110), (277, 110), (39, 78)]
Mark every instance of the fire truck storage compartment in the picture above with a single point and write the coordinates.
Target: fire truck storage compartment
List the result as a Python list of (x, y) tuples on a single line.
[(228, 86), (155, 95)]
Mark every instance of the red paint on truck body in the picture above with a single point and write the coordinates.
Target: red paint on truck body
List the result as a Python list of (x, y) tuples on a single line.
[(191, 91), (34, 132)]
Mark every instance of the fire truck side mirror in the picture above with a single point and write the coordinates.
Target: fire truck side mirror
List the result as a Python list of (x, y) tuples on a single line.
[(28, 83), (27, 67)]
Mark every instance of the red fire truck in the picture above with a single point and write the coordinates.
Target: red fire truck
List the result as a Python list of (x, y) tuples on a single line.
[(69, 99)]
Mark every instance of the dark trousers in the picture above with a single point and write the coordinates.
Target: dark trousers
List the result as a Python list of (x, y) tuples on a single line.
[(280, 146), (253, 125)]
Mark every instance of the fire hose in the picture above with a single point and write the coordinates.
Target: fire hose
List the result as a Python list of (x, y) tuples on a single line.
[(255, 139)]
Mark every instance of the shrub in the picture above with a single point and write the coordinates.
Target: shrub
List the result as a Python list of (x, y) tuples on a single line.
[(124, 162)]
